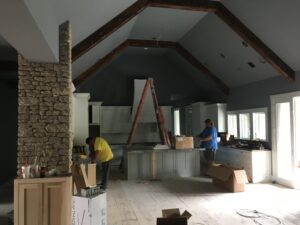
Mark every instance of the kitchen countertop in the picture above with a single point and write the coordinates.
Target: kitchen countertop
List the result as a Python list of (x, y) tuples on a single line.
[(242, 148)]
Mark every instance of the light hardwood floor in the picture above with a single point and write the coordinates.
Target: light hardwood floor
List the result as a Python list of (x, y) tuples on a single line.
[(140, 202)]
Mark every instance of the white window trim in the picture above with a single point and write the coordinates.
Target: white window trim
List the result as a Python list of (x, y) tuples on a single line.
[(250, 111)]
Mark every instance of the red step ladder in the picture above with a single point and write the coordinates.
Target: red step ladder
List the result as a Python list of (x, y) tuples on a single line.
[(163, 132)]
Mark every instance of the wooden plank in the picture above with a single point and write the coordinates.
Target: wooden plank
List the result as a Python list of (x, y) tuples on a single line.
[(197, 64), (107, 29), (192, 5), (103, 61), (261, 48)]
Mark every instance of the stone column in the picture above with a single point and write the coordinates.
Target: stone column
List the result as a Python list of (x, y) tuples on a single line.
[(45, 107)]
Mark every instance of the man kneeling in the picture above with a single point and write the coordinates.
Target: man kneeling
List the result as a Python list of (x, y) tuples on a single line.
[(100, 150)]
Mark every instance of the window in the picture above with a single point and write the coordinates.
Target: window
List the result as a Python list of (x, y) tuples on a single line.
[(259, 126), (176, 122), (232, 125), (244, 125), (248, 124)]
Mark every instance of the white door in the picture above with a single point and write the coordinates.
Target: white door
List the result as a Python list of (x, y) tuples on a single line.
[(285, 138)]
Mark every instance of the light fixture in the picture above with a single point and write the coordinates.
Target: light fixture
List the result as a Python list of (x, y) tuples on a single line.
[(145, 48)]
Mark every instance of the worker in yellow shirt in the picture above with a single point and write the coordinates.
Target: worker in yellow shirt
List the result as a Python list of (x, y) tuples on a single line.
[(101, 151)]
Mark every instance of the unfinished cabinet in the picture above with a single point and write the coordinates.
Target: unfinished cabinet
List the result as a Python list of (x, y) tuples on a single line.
[(167, 163), (256, 163), (42, 201)]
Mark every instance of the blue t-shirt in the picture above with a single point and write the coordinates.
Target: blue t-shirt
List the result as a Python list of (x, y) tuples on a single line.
[(211, 144)]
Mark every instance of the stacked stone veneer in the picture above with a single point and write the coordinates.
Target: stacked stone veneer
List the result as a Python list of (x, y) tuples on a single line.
[(45, 106)]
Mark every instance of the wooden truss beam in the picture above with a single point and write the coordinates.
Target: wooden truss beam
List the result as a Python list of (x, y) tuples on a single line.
[(203, 69), (261, 48), (108, 28), (102, 62), (191, 5), (195, 5), (153, 44)]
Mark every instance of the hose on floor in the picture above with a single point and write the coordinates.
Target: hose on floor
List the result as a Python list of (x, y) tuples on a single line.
[(259, 218)]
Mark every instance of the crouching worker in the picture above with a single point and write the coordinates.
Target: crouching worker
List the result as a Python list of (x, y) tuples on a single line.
[(101, 151)]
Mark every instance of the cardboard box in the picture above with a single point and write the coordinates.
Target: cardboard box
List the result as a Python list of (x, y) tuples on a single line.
[(182, 143), (84, 176), (230, 178), (91, 174), (173, 217), (171, 221), (89, 211)]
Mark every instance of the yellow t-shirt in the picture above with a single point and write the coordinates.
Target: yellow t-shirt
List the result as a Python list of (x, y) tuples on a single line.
[(104, 151)]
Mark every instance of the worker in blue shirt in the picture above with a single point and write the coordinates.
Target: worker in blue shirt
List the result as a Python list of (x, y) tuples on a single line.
[(208, 138)]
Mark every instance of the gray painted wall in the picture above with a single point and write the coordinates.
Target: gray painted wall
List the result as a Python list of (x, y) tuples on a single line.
[(114, 84), (256, 95), (8, 131)]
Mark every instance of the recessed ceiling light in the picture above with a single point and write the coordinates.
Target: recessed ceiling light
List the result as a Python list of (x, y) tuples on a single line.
[(145, 49), (245, 44), (251, 64), (222, 55)]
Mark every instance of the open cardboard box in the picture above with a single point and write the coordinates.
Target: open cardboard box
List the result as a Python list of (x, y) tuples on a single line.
[(173, 217), (230, 178)]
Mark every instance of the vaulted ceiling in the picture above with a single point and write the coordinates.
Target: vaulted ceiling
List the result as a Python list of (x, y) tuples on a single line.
[(203, 34)]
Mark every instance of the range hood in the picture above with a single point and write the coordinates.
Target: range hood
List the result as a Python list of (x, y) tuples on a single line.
[(148, 112)]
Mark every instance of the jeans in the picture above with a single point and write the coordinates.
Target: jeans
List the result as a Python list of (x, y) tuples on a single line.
[(210, 155), (105, 174)]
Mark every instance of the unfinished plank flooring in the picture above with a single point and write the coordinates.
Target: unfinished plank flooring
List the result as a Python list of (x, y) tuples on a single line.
[(140, 202)]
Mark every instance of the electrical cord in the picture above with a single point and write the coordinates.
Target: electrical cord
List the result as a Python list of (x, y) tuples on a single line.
[(259, 218)]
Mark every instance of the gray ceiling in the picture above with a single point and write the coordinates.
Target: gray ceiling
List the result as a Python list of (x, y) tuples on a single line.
[(207, 38), (204, 35), (222, 51), (164, 24)]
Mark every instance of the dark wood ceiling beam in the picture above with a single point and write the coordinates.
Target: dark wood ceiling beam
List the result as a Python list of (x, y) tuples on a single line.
[(102, 62), (107, 29), (8, 66), (261, 48), (203, 69), (151, 43), (191, 5)]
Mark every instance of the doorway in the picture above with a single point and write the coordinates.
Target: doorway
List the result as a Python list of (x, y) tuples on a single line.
[(286, 138)]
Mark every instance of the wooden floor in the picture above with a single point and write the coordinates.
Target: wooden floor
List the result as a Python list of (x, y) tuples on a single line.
[(140, 202)]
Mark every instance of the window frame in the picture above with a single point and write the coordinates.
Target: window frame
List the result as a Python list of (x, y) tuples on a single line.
[(174, 121), (250, 112), (227, 124)]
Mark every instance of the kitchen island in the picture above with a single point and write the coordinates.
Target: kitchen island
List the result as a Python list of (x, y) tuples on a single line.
[(145, 162), (256, 163)]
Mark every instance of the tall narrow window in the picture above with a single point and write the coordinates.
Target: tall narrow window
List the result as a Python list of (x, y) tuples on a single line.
[(232, 125), (244, 125), (176, 122), (259, 126)]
